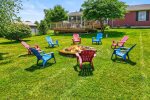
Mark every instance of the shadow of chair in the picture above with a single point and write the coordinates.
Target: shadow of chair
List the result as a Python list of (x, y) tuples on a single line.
[(38, 67), (85, 71), (128, 61), (1, 55)]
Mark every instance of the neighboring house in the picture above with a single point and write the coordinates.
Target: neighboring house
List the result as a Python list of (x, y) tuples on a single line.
[(136, 16), (33, 27), (77, 21), (75, 17)]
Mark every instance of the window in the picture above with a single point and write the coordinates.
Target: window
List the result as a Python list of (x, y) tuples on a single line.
[(142, 16)]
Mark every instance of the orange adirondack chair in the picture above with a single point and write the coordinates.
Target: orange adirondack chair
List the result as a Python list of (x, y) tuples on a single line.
[(76, 38), (27, 47), (86, 56), (119, 43)]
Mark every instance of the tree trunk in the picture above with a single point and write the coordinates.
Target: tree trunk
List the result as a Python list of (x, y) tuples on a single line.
[(102, 25)]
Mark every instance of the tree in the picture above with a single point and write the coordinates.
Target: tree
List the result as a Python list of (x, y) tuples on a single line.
[(37, 23), (43, 28), (102, 10), (8, 11), (17, 31), (56, 14)]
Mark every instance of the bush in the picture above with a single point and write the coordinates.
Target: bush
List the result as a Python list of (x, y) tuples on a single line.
[(17, 31), (43, 27), (107, 27)]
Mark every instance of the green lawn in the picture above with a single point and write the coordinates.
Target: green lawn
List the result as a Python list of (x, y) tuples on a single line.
[(20, 78)]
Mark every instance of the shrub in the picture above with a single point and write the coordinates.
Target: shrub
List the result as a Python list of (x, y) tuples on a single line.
[(107, 27), (17, 31), (43, 27)]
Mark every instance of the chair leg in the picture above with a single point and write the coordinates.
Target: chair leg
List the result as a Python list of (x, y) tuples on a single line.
[(37, 61), (92, 65), (53, 56), (80, 66), (54, 60), (29, 52), (128, 56), (112, 56), (44, 63)]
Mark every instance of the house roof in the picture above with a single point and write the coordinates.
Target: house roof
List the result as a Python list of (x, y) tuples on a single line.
[(138, 7), (129, 8), (75, 14), (29, 23)]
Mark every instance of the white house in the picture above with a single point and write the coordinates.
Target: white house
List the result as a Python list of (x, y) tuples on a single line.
[(33, 27)]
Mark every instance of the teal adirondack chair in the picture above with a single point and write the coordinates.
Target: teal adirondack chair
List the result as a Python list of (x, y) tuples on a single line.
[(50, 42), (122, 52), (97, 39)]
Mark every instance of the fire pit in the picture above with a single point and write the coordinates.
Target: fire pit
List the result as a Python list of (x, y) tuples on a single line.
[(72, 50)]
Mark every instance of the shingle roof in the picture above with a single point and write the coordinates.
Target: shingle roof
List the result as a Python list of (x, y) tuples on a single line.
[(138, 7), (29, 23), (75, 14)]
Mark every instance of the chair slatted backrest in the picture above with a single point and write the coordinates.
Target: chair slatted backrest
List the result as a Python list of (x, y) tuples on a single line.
[(48, 38), (25, 44), (87, 55), (36, 53), (125, 38), (130, 48), (76, 36), (99, 35)]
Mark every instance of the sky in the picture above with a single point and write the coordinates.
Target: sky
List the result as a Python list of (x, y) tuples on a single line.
[(33, 9)]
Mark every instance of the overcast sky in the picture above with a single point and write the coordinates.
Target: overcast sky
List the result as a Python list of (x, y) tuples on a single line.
[(33, 9)]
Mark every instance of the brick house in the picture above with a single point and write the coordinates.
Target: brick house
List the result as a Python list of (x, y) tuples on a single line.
[(136, 16)]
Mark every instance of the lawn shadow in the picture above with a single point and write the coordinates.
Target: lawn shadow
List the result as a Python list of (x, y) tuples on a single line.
[(5, 62), (1, 55), (128, 61), (113, 34), (25, 55), (12, 42), (85, 71), (110, 34), (38, 67)]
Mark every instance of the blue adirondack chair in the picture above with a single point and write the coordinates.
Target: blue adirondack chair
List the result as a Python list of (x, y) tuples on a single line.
[(122, 52), (98, 38), (50, 42), (45, 57)]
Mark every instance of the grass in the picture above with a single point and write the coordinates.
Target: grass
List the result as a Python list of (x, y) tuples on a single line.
[(20, 78)]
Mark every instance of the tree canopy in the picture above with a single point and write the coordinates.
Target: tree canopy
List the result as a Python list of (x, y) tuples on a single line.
[(103, 9), (8, 13), (56, 14)]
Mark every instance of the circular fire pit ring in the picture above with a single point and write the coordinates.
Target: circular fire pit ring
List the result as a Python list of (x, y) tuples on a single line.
[(72, 50)]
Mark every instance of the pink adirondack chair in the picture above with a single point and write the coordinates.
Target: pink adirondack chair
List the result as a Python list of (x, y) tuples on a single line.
[(120, 43), (76, 38), (86, 56), (27, 47)]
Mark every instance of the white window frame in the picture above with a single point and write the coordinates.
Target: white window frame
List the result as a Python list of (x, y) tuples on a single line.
[(142, 16)]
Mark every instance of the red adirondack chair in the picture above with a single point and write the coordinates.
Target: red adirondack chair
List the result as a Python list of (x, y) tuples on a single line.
[(27, 47), (76, 38), (86, 56), (120, 43)]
